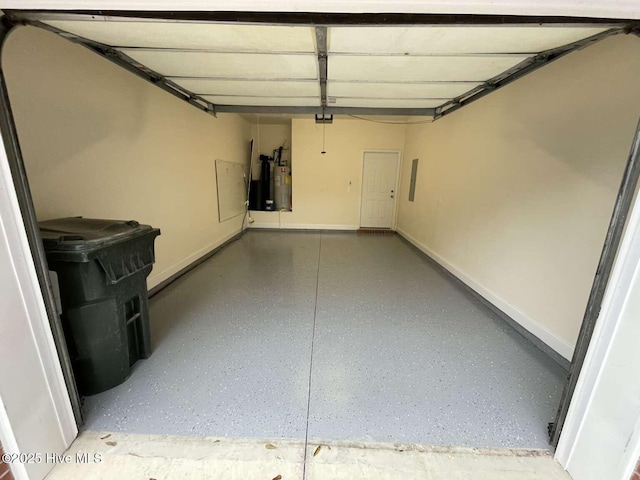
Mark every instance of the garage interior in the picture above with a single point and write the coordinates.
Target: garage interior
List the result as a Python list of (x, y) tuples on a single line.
[(301, 328)]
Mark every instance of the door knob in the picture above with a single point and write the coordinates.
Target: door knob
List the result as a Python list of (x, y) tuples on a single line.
[(391, 196)]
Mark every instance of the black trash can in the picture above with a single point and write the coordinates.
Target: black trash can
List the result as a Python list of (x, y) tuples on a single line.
[(102, 268)]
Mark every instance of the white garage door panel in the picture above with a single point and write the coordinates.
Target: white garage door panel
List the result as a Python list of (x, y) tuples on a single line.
[(384, 65), (264, 101), (407, 69), (227, 65), (204, 86), (218, 37), (399, 90), (417, 40), (387, 102)]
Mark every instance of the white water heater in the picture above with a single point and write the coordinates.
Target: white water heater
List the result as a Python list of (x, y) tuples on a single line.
[(282, 187)]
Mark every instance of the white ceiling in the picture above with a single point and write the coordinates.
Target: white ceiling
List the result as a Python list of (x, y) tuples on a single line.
[(396, 67)]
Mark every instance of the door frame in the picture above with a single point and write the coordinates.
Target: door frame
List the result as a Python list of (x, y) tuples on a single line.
[(394, 213), (596, 368), (30, 231), (26, 249), (602, 289)]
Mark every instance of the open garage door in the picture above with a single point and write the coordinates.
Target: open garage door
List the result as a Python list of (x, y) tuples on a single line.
[(286, 63), (408, 66)]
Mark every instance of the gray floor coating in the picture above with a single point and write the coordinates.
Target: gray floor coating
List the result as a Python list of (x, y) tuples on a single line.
[(401, 353)]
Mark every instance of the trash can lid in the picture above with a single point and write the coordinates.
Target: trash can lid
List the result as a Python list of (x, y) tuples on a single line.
[(77, 233)]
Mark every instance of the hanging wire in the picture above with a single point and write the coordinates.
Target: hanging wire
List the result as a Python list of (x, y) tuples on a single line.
[(324, 132)]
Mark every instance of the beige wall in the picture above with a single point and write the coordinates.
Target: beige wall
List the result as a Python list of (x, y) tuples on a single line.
[(515, 192), (326, 188), (267, 137), (100, 142)]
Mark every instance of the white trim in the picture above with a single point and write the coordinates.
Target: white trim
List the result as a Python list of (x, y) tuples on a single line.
[(13, 228), (632, 453), (10, 444), (585, 8), (552, 340), (613, 303), (304, 226), (40, 329), (394, 214), (160, 277)]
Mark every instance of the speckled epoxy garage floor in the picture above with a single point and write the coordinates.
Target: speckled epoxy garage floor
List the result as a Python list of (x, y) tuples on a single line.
[(332, 336)]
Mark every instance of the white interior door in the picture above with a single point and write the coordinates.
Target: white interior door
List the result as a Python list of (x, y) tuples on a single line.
[(379, 178)]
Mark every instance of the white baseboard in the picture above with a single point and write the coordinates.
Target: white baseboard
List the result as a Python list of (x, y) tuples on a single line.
[(160, 277), (549, 338), (304, 226)]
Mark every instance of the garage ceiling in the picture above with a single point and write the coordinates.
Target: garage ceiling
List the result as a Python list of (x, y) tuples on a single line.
[(366, 69)]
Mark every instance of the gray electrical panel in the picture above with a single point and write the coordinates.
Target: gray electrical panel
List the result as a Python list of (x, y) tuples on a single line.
[(412, 182)]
